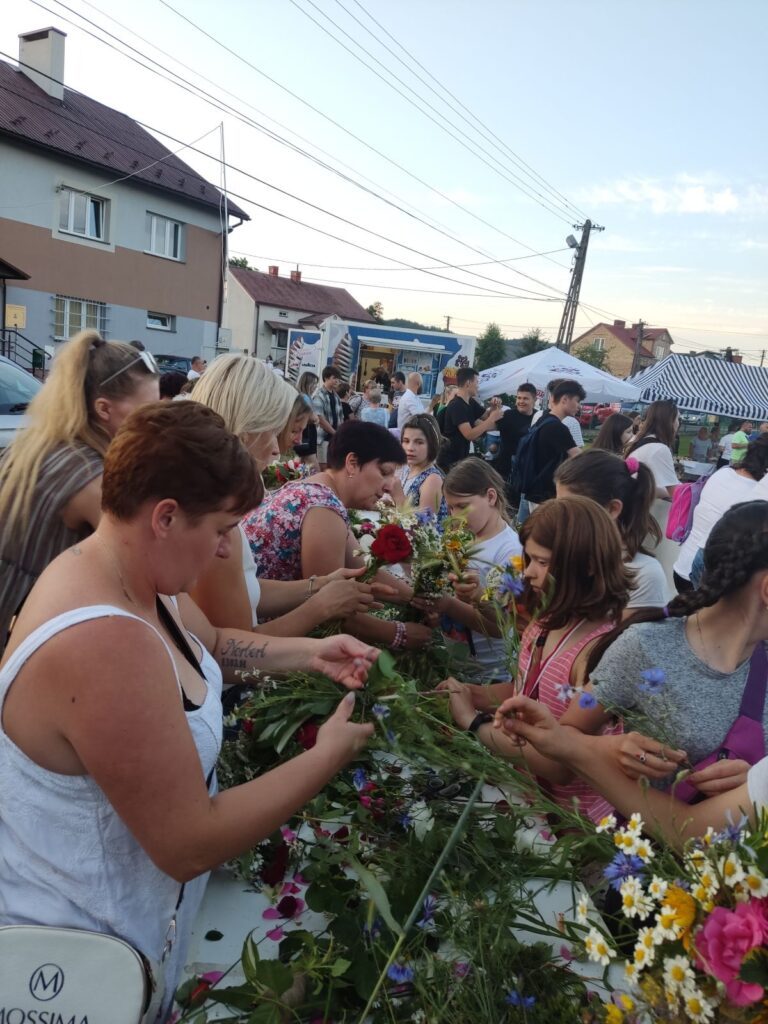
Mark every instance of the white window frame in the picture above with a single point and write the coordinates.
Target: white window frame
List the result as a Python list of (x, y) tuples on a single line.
[(599, 344), (168, 325), (67, 206), (160, 232), (69, 318)]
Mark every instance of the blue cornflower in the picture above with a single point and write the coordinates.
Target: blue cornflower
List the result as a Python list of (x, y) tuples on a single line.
[(425, 517), (400, 973), (622, 867), (359, 779), (514, 998), (587, 701), (381, 711), (405, 820), (391, 737), (733, 831), (428, 912), (565, 692), (511, 584), (653, 681)]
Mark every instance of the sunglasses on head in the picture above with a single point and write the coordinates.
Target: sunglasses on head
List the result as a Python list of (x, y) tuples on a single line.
[(149, 361)]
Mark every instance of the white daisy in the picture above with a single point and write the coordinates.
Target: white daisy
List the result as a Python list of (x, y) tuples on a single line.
[(606, 824), (598, 949), (678, 973), (730, 869)]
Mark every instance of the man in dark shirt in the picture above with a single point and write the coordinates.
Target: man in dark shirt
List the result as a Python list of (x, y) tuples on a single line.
[(513, 425), (465, 418), (553, 442)]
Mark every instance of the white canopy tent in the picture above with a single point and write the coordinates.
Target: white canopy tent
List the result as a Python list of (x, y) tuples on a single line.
[(549, 364)]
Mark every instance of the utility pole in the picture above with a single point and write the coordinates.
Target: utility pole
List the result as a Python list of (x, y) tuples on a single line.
[(762, 357), (638, 347), (565, 331), (447, 322)]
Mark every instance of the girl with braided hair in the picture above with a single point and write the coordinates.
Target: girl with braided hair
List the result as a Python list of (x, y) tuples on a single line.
[(706, 650)]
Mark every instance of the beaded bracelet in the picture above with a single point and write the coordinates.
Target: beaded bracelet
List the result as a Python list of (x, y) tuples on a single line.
[(400, 637)]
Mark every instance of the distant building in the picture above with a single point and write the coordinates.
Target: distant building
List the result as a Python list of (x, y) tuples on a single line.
[(619, 343), (114, 231), (262, 308)]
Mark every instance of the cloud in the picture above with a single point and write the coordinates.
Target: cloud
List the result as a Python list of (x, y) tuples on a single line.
[(684, 194)]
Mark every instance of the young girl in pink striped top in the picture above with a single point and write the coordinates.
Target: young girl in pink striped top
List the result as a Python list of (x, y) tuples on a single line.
[(576, 589)]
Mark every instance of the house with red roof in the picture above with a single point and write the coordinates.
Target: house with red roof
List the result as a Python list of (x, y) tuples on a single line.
[(620, 344), (112, 229), (261, 309)]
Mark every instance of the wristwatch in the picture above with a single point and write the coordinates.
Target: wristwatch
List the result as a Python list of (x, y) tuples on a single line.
[(481, 718)]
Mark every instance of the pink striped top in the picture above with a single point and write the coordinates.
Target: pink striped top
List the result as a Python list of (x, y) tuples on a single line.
[(555, 672)]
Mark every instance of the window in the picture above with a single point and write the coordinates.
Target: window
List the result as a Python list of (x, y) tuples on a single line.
[(81, 214), (599, 344), (71, 315), (659, 351), (161, 321), (165, 237)]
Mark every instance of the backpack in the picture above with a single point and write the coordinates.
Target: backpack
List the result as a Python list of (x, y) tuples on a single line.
[(524, 470), (684, 502)]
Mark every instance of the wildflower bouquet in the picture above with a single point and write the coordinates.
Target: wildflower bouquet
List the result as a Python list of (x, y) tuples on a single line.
[(701, 946)]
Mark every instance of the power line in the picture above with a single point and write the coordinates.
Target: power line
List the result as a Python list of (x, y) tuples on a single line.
[(330, 266), (342, 128), (290, 195), (562, 214), (221, 105), (428, 291), (522, 163)]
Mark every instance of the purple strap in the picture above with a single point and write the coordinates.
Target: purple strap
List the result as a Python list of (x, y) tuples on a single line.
[(753, 698)]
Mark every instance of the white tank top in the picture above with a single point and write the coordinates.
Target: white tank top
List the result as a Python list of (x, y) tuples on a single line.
[(251, 579), (66, 858)]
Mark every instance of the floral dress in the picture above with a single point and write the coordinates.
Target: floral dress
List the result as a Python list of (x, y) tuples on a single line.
[(274, 529), (412, 488)]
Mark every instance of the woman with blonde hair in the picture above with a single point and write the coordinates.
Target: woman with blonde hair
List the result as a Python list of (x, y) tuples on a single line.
[(256, 405), (50, 476)]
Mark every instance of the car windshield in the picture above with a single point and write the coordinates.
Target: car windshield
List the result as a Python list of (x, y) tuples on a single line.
[(178, 363), (17, 388)]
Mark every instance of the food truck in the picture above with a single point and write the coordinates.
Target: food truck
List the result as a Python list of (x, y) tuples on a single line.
[(358, 350)]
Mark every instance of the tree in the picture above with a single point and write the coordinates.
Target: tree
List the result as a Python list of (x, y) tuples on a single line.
[(595, 356), (376, 310), (532, 342), (490, 348), (240, 261)]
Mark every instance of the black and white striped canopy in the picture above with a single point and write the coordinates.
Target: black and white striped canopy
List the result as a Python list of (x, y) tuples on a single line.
[(704, 385)]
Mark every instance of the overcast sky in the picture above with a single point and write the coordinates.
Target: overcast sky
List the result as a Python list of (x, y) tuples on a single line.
[(648, 118)]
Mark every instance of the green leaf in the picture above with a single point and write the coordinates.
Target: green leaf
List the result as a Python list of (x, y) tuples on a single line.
[(267, 1013), (754, 968), (364, 975), (386, 665), (250, 957), (377, 894), (341, 966), (274, 976)]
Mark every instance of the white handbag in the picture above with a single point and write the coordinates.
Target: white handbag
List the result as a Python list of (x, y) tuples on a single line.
[(49, 975)]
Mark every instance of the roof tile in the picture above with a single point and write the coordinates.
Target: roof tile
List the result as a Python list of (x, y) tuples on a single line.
[(272, 290)]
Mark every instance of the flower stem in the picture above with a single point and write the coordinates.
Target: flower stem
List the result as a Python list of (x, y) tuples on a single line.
[(453, 839)]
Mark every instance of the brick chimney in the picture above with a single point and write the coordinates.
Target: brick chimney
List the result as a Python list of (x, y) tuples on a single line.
[(274, 271), (296, 276), (619, 323), (43, 52)]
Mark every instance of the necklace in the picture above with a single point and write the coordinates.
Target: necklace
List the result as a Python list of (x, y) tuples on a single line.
[(115, 565), (701, 638)]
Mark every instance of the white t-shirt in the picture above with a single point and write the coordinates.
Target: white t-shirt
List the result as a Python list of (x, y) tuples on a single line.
[(658, 458), (726, 443), (725, 489), (491, 651), (408, 407), (193, 375), (650, 582), (757, 783), (575, 428)]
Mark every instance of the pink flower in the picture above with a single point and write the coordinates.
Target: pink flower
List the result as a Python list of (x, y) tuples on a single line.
[(288, 907), (728, 936), (275, 934)]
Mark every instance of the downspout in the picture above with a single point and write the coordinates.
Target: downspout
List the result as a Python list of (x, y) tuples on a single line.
[(256, 338)]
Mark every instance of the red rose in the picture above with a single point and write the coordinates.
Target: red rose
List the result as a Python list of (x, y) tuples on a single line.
[(391, 545), (273, 871), (248, 726), (306, 735)]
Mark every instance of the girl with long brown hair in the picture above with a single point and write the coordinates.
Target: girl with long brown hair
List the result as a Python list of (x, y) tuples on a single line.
[(576, 589)]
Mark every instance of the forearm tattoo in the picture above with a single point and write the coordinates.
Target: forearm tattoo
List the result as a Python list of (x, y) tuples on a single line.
[(241, 654)]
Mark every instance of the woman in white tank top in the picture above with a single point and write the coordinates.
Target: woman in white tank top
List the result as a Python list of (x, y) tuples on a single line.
[(110, 704)]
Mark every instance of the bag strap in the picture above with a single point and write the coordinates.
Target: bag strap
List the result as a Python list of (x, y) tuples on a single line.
[(179, 639), (753, 698)]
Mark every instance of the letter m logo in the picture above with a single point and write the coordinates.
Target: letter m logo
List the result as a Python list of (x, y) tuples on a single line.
[(46, 982)]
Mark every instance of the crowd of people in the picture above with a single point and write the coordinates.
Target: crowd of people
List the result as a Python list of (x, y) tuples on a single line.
[(143, 568)]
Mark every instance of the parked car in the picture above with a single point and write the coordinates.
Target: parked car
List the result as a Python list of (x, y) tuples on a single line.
[(174, 364), (595, 415), (17, 389)]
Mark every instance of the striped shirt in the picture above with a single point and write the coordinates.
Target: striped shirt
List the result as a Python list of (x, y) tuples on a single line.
[(63, 473), (555, 673)]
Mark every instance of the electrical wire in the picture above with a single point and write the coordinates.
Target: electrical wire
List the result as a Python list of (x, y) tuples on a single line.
[(429, 291), (329, 213), (521, 163), (330, 266), (562, 214)]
